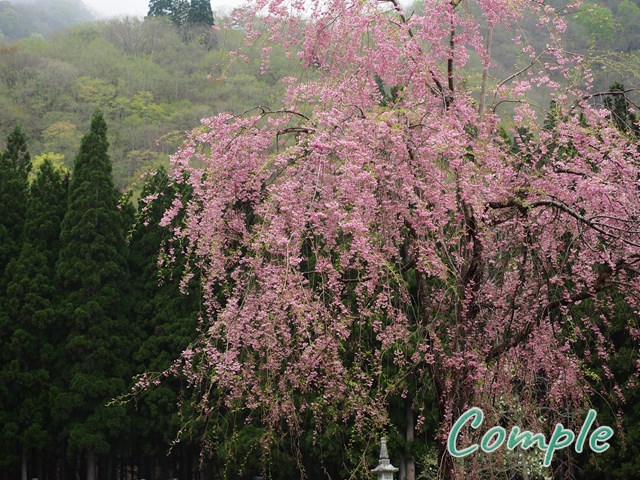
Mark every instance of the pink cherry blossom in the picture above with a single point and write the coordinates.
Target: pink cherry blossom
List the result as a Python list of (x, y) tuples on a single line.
[(346, 245)]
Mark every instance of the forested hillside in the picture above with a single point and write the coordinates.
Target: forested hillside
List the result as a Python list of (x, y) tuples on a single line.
[(90, 298), (152, 80), (21, 18)]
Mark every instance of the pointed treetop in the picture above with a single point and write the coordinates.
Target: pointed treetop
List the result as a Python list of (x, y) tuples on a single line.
[(618, 104), (16, 152), (54, 161), (94, 145), (98, 125)]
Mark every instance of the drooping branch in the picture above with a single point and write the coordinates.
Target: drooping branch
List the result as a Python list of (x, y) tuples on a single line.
[(600, 284), (264, 110), (452, 44), (565, 208), (472, 268), (581, 218), (447, 97)]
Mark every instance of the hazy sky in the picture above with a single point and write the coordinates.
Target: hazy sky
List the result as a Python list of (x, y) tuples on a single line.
[(114, 8)]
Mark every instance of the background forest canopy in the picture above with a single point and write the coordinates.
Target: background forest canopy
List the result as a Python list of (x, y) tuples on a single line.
[(99, 103), (154, 81)]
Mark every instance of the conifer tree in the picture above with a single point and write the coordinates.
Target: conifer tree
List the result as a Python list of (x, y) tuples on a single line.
[(158, 8), (200, 12), (92, 272), (618, 105), (167, 317), (178, 11), (29, 304), (14, 168), (17, 152), (15, 164), (180, 14), (551, 119)]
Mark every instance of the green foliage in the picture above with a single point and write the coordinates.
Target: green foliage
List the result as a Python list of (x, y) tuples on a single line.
[(621, 115), (388, 97), (622, 460), (160, 8), (628, 14), (92, 272), (551, 119), (597, 22), (96, 91), (182, 12), (166, 317), (15, 164), (200, 12), (17, 154), (61, 138), (28, 329), (150, 83)]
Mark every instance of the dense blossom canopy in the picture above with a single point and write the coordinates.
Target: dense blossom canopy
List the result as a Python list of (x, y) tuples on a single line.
[(383, 227)]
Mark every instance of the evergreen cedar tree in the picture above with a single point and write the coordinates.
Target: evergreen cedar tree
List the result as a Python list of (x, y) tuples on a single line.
[(385, 236), (92, 275), (200, 12), (29, 331), (75, 326), (160, 7), (15, 164), (14, 169), (195, 12), (618, 105)]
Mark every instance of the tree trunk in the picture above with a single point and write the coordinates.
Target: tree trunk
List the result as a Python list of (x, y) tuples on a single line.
[(111, 470), (39, 464), (410, 434), (104, 472), (63, 465), (152, 467), (185, 462), (91, 466), (25, 456)]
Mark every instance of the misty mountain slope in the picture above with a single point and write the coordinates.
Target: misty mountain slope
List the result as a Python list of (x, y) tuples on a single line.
[(21, 18)]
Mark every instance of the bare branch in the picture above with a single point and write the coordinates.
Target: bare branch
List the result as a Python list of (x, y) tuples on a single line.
[(518, 73), (496, 105), (610, 92), (565, 208), (485, 75)]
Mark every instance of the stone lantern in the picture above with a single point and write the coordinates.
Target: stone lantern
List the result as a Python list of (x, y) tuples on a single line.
[(384, 470)]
